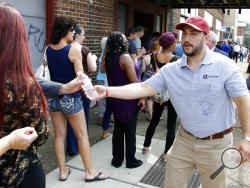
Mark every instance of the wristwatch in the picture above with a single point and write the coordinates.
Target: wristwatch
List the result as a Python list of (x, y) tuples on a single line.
[(247, 138)]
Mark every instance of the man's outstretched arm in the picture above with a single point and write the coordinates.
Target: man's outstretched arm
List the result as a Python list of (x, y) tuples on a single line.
[(130, 91)]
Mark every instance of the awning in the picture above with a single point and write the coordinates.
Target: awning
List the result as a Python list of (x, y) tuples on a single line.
[(206, 4)]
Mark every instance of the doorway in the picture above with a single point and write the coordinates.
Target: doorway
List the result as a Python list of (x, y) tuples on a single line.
[(147, 21)]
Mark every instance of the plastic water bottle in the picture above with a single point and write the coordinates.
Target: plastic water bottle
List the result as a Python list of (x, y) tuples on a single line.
[(88, 87)]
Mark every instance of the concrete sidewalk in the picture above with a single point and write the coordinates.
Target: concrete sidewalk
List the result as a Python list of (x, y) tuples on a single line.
[(119, 177), (130, 178)]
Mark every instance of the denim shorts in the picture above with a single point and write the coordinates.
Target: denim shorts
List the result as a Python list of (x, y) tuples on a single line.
[(67, 104)]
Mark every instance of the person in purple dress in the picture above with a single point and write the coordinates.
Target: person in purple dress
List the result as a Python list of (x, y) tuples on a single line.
[(121, 70)]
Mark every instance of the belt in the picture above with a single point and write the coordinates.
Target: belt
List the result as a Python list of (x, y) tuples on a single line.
[(214, 136)]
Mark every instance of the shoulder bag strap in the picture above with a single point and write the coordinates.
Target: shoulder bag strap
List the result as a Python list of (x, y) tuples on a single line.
[(175, 58), (44, 58), (154, 56)]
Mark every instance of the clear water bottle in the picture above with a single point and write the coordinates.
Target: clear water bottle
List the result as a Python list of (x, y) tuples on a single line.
[(88, 87)]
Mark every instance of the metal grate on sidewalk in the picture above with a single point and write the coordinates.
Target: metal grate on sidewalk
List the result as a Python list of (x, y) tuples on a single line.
[(156, 174), (194, 180)]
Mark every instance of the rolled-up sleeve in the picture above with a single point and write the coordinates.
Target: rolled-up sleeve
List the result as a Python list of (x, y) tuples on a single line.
[(158, 81), (235, 83), (50, 88)]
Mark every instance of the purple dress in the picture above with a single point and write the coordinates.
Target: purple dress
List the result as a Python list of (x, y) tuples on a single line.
[(123, 109)]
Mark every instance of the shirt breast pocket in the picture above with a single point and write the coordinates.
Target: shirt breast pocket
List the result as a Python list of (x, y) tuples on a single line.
[(211, 85), (208, 90)]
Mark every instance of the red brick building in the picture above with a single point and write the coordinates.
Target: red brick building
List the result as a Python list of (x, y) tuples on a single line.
[(241, 31), (99, 17)]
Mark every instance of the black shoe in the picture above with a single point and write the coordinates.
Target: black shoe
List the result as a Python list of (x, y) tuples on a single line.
[(134, 164), (115, 164), (72, 153)]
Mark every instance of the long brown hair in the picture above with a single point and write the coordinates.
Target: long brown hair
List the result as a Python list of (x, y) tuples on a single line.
[(15, 61)]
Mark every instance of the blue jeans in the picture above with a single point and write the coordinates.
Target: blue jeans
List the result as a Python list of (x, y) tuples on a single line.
[(71, 140), (241, 57), (101, 102)]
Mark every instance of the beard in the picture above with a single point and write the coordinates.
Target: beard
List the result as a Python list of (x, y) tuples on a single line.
[(195, 50)]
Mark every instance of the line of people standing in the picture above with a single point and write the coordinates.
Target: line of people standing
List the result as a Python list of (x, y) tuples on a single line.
[(233, 49), (122, 61), (65, 59)]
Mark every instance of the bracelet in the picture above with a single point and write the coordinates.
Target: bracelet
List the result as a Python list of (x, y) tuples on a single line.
[(107, 92), (247, 138)]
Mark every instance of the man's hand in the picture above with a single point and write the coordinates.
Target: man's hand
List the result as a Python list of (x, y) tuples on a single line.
[(72, 86), (141, 103), (244, 147), (101, 90), (20, 139)]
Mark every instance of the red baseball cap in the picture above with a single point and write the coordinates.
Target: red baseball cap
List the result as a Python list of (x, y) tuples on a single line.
[(195, 22)]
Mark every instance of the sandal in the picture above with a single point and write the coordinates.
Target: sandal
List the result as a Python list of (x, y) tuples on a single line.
[(98, 177), (66, 177)]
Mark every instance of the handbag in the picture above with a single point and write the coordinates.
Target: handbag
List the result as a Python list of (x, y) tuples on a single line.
[(43, 70), (149, 71), (85, 51), (248, 82), (159, 97)]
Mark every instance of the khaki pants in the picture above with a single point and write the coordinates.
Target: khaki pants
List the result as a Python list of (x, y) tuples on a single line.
[(187, 153)]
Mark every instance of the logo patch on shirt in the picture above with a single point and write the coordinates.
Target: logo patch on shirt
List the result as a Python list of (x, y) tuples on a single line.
[(205, 76)]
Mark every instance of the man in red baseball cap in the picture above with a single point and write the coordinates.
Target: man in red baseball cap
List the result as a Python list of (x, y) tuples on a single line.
[(202, 86), (206, 69)]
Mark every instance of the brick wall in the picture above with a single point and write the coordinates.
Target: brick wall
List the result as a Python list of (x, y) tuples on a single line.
[(100, 17), (96, 17), (241, 31), (173, 18)]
